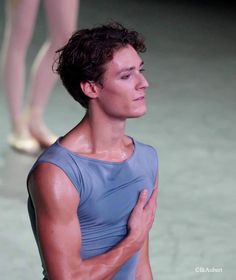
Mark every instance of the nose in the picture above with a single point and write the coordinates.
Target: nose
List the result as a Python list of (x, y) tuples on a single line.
[(142, 82), (145, 82)]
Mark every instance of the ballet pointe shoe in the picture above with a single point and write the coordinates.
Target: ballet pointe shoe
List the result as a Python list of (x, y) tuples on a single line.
[(43, 136), (39, 131), (26, 145)]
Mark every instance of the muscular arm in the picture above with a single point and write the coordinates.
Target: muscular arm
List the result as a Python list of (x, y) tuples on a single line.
[(55, 201)]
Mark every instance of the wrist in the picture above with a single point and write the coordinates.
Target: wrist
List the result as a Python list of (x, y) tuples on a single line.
[(134, 242)]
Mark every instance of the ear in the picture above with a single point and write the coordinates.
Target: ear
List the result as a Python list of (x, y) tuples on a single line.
[(90, 88)]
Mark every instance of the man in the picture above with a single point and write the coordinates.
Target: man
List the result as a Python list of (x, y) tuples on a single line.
[(92, 194)]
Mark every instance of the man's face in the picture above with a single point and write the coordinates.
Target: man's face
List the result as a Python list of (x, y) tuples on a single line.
[(123, 92)]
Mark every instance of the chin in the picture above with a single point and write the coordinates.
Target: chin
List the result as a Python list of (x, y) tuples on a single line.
[(138, 113)]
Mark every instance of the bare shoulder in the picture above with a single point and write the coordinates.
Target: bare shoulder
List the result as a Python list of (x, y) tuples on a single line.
[(46, 173), (50, 188)]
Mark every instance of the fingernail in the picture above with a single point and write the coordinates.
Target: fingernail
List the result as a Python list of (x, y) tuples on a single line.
[(144, 192)]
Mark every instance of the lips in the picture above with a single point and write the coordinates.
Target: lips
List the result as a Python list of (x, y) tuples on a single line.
[(139, 98)]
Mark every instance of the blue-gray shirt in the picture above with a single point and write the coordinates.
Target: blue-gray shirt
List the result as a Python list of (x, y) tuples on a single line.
[(108, 193)]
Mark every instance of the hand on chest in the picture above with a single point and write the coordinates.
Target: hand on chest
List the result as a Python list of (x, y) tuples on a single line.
[(112, 196)]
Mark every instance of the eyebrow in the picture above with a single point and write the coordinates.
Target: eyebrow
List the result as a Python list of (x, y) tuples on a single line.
[(129, 68)]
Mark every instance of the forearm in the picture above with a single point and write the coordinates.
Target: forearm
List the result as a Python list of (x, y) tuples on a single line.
[(101, 267), (145, 273), (105, 266)]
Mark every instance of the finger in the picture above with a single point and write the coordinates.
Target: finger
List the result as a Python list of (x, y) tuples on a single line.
[(142, 198), (152, 201), (154, 194), (152, 214)]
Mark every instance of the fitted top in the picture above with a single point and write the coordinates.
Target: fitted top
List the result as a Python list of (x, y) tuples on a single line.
[(108, 193)]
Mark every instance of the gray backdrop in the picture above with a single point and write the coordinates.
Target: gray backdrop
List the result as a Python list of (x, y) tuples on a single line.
[(190, 65)]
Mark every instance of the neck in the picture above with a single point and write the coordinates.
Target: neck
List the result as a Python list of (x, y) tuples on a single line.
[(103, 132)]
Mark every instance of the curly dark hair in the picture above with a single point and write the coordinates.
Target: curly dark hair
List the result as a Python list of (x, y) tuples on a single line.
[(84, 57)]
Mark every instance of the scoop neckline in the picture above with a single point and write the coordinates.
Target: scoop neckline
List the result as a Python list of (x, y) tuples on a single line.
[(100, 160)]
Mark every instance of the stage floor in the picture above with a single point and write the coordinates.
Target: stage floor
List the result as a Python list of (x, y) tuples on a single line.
[(190, 65)]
